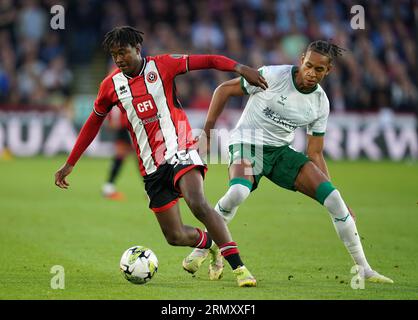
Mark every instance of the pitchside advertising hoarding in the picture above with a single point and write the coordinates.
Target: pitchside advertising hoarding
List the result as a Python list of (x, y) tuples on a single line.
[(349, 136)]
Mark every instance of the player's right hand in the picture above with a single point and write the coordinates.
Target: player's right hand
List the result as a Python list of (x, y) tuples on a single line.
[(252, 75), (60, 175)]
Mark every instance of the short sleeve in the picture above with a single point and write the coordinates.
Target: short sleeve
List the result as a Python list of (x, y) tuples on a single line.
[(103, 102), (250, 89), (319, 126), (174, 64)]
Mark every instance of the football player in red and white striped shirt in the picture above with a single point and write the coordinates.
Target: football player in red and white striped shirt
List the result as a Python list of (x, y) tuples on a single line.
[(144, 90)]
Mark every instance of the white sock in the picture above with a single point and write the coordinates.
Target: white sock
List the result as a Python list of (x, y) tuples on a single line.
[(346, 229), (228, 205)]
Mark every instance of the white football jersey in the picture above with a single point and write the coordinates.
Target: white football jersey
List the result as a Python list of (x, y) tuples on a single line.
[(271, 116)]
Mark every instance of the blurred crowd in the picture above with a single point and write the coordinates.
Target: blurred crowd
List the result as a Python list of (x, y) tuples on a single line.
[(378, 70)]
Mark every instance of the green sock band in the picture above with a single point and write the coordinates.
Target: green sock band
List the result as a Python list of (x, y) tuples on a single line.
[(241, 181), (323, 191)]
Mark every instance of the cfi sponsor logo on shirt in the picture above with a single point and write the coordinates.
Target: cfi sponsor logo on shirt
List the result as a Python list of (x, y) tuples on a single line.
[(145, 106)]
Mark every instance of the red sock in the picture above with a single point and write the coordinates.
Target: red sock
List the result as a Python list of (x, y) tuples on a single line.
[(204, 241), (230, 252)]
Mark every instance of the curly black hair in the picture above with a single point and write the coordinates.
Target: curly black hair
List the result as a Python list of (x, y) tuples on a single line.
[(122, 36), (326, 48)]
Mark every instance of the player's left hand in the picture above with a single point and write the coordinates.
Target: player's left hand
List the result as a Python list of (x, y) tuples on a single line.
[(353, 215), (252, 76), (60, 175)]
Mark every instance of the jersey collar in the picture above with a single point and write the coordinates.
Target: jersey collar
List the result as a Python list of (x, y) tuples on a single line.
[(140, 73)]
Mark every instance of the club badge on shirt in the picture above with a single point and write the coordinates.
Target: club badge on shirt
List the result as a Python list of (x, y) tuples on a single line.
[(152, 77)]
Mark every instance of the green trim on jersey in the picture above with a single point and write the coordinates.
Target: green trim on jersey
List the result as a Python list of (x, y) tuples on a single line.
[(243, 87), (241, 181), (318, 134), (294, 69)]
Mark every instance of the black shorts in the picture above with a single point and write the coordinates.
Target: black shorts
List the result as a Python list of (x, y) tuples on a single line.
[(123, 135), (162, 185)]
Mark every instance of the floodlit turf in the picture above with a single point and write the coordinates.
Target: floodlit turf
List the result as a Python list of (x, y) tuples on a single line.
[(286, 239)]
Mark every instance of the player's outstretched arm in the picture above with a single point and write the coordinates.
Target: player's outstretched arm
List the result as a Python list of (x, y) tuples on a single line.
[(87, 134), (252, 76), (222, 63)]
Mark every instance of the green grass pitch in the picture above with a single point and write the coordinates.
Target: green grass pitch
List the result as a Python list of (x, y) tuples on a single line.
[(286, 240)]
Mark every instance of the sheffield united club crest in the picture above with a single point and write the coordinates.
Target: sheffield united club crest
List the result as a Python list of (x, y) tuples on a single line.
[(152, 77)]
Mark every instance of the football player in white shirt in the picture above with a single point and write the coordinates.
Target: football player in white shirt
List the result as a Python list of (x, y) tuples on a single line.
[(260, 146)]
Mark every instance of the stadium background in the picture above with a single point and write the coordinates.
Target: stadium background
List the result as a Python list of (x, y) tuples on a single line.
[(49, 79), (58, 71)]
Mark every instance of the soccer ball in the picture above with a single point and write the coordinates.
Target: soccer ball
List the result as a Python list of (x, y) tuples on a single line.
[(138, 264)]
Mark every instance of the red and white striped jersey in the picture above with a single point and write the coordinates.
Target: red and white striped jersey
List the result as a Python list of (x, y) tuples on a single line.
[(158, 125), (117, 120)]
